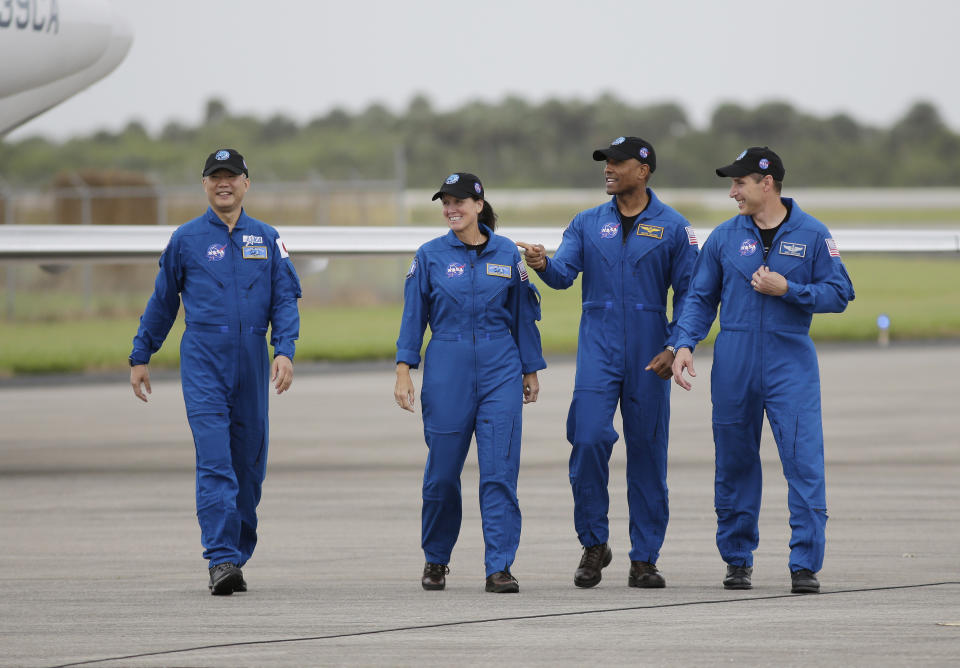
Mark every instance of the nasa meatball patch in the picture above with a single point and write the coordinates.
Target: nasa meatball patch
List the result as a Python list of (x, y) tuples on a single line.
[(609, 230), (216, 252)]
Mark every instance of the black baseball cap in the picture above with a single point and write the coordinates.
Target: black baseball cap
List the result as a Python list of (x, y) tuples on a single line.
[(755, 160), (624, 148), (462, 185), (225, 158)]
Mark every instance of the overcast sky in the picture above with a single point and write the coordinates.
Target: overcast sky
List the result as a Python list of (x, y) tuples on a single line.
[(871, 60)]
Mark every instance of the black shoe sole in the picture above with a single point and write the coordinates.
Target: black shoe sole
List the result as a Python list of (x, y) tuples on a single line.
[(737, 586), (593, 582), (805, 590), (503, 589), (226, 586), (431, 587), (640, 583)]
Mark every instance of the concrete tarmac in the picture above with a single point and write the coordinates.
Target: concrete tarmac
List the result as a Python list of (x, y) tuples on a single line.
[(100, 561)]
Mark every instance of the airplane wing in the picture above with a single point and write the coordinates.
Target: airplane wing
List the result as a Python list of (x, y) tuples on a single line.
[(135, 243)]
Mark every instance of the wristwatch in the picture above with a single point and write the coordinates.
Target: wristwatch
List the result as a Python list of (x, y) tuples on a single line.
[(671, 349)]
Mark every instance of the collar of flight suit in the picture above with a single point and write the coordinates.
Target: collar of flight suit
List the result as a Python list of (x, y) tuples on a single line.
[(790, 224), (214, 219), (653, 210), (454, 241)]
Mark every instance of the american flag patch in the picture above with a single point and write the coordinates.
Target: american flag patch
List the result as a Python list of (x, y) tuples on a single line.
[(691, 236), (832, 248), (522, 271)]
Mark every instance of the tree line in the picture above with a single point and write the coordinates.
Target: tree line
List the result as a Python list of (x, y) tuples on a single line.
[(512, 143)]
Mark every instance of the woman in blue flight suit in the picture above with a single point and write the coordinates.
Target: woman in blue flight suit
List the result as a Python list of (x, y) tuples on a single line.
[(481, 366)]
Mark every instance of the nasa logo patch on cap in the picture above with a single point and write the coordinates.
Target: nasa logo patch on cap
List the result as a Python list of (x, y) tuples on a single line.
[(628, 148), (225, 158), (461, 185), (755, 160)]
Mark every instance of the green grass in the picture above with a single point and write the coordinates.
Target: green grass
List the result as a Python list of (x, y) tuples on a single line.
[(920, 294)]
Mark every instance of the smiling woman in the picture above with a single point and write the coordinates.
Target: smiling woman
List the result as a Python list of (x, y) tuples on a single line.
[(481, 366)]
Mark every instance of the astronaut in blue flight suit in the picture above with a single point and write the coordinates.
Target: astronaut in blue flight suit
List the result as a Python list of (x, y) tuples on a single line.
[(770, 269), (236, 280), (630, 250), (480, 367)]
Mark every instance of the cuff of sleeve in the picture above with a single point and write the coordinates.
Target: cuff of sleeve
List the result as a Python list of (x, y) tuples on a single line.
[(535, 365), (791, 294), (410, 357), (139, 357), (285, 353)]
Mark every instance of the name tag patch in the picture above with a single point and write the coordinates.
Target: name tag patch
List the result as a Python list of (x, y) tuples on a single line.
[(651, 231), (501, 270), (254, 252), (793, 249)]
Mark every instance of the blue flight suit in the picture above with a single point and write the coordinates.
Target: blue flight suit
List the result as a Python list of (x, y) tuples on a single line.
[(233, 285), (623, 326), (482, 311), (764, 360)]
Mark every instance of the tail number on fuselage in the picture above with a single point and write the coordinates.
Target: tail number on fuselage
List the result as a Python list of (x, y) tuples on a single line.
[(33, 15)]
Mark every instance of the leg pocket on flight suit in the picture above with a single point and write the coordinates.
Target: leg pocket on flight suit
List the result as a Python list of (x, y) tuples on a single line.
[(800, 441), (732, 459), (498, 445), (595, 327)]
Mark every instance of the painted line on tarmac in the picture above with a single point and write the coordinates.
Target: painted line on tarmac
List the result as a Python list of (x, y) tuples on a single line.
[(517, 618)]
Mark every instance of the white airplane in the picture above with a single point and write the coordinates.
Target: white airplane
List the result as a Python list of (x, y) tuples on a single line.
[(53, 49)]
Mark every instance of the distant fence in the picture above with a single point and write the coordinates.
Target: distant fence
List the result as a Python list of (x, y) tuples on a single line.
[(80, 199)]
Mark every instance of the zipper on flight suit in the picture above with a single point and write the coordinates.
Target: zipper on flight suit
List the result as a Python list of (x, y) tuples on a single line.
[(763, 302), (236, 295)]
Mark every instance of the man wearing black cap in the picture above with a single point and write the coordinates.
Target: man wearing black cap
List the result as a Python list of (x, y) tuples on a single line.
[(236, 280), (769, 269), (630, 250)]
